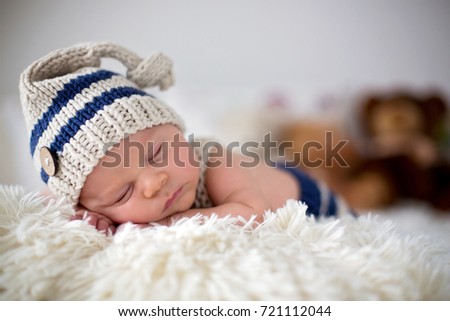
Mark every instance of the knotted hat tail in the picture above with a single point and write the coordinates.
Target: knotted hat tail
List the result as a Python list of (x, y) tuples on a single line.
[(156, 70)]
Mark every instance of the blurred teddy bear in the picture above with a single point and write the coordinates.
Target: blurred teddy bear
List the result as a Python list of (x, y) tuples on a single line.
[(405, 135), (403, 123), (400, 152)]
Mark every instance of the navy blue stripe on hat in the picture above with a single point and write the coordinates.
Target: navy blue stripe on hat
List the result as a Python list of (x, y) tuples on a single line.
[(44, 176), (89, 111), (69, 91)]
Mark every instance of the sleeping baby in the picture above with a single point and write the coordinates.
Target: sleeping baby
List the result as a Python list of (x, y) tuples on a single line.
[(118, 154)]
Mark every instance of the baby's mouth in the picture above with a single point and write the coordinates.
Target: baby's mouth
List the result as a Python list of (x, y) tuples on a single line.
[(173, 198)]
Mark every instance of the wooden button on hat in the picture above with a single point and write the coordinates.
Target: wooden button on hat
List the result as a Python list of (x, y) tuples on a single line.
[(48, 161)]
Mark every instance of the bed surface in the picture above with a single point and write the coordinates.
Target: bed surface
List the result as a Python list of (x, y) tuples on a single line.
[(44, 256)]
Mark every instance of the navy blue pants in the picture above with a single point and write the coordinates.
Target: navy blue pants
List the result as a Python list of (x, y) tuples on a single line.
[(319, 199)]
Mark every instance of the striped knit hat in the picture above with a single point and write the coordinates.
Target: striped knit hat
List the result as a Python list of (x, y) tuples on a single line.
[(73, 109)]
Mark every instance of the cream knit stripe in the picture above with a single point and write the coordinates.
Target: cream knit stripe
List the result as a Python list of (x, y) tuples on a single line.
[(74, 105), (82, 153), (36, 103)]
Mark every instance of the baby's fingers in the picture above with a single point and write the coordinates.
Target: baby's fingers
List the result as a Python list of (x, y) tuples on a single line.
[(105, 225), (90, 218), (100, 222), (81, 215)]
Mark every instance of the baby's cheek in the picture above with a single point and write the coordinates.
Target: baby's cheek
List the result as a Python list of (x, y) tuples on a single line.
[(184, 158)]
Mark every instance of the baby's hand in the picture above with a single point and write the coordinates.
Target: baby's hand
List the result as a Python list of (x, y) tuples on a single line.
[(97, 220)]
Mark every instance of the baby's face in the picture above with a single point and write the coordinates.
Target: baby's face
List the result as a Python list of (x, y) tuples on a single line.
[(147, 177)]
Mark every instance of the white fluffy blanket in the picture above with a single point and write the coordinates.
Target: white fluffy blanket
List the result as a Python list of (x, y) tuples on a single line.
[(289, 257)]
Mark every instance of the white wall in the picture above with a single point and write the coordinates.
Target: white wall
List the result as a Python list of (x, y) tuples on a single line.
[(227, 52)]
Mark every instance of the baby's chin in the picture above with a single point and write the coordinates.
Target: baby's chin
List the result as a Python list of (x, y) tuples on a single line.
[(169, 219), (176, 213)]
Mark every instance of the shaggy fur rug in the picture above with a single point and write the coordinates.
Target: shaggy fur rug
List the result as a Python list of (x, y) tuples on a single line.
[(44, 256)]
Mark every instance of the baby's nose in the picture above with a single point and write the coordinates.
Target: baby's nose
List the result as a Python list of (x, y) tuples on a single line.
[(153, 184)]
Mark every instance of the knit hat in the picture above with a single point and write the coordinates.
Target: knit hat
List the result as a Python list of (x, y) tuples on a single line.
[(73, 109)]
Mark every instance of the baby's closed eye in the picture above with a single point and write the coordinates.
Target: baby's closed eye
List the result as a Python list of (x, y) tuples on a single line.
[(156, 156), (125, 195)]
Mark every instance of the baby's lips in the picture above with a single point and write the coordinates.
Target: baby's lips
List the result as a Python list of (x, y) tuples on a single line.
[(173, 198)]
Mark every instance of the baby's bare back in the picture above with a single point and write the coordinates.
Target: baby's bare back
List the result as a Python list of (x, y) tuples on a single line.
[(277, 185)]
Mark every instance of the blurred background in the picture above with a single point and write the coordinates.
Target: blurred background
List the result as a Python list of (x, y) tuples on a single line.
[(240, 64)]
